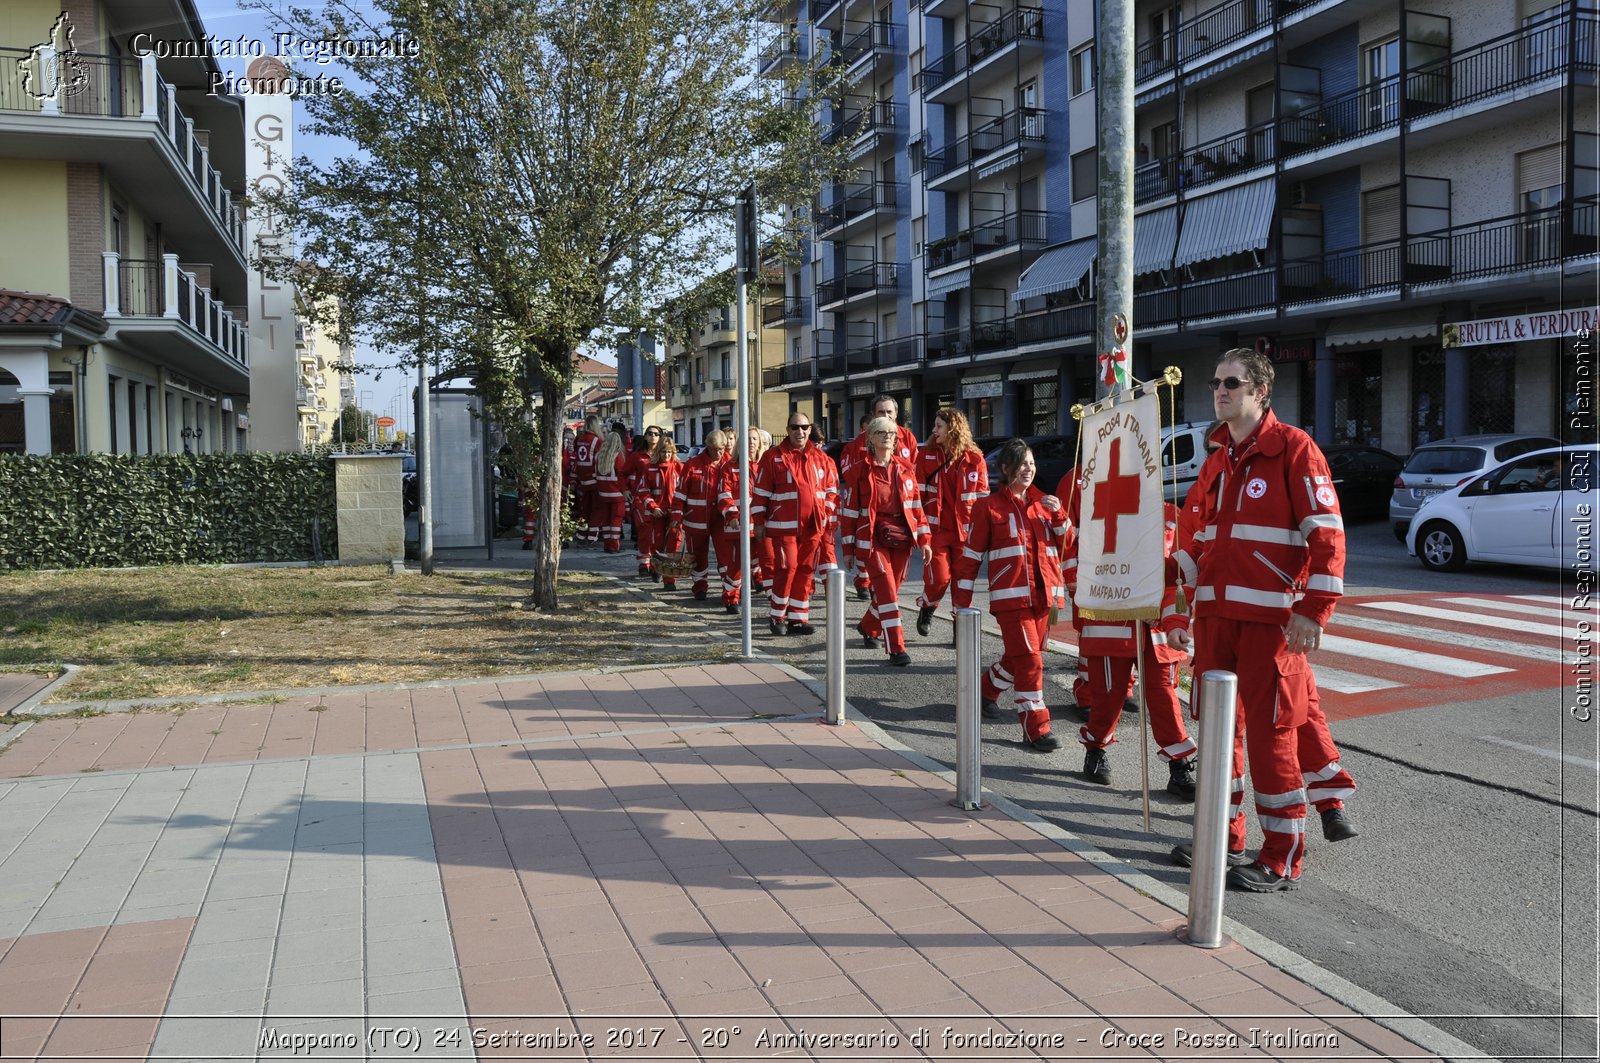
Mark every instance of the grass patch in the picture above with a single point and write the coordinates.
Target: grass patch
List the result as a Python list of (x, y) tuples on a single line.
[(174, 632)]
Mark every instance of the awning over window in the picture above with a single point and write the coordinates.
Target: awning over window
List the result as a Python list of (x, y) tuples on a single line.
[(1370, 329), (1227, 222), (1058, 269), (1154, 234), (949, 282)]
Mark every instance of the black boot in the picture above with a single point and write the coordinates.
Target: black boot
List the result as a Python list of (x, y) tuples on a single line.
[(1096, 766), (925, 620), (1336, 826), (1180, 779), (991, 710)]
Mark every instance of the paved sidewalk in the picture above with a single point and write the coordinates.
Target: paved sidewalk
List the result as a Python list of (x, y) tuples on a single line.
[(676, 863)]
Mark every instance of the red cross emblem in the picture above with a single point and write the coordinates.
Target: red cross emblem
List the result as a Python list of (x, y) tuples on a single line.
[(1115, 496)]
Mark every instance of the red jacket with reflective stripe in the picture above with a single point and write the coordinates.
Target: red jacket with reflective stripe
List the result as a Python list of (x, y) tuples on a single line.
[(1023, 543), (949, 491), (698, 485), (1264, 534), (855, 451), (857, 517), (657, 484), (584, 450), (781, 475)]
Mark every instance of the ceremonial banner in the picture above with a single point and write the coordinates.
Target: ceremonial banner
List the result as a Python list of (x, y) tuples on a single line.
[(1121, 525)]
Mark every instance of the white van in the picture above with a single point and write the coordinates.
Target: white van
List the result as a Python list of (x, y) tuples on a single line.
[(1183, 451)]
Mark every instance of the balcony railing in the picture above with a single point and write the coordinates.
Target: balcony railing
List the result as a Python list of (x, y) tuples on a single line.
[(1491, 68), (1208, 31), (160, 288), (874, 276), (1204, 163), (132, 90), (777, 376), (1020, 227), (784, 48), (983, 40), (1020, 125), (858, 40), (855, 200)]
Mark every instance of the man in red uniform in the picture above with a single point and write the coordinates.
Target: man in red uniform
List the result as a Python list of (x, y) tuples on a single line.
[(694, 503), (584, 450), (1268, 568), (794, 501), (633, 467), (855, 451)]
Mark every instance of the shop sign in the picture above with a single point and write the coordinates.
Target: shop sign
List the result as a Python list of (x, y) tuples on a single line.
[(862, 389), (1286, 350), (724, 409), (1521, 328), (983, 389), (897, 383)]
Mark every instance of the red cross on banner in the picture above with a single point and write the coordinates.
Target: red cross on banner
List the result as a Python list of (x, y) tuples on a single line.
[(1122, 532), (1115, 496)]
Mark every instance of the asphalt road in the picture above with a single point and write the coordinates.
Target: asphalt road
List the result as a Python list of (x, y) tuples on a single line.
[(1470, 897)]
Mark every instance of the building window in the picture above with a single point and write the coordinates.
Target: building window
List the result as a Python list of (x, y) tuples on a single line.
[(1085, 174), (1083, 70)]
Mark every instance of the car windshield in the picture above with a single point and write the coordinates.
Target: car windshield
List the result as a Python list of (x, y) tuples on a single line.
[(1522, 446), (1445, 460)]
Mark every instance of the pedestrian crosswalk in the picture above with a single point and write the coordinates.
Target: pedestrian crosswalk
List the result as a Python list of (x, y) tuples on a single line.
[(1395, 652)]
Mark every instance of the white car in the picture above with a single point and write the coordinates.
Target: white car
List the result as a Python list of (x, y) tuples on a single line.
[(1537, 509)]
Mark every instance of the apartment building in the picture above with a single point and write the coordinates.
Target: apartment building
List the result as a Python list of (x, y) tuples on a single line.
[(323, 389), (122, 244), (1396, 202), (701, 370)]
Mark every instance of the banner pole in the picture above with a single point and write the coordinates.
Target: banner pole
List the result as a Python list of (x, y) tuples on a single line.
[(1144, 719)]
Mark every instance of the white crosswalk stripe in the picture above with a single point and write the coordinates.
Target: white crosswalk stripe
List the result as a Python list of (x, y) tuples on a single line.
[(1464, 639), (1343, 682), (1427, 662), (1546, 611), (1413, 609)]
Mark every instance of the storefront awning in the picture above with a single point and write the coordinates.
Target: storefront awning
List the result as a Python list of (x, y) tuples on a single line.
[(1227, 222), (1154, 234), (1371, 329), (1058, 269)]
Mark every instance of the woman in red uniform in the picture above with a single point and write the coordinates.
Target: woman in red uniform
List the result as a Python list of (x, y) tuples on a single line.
[(609, 493), (695, 502), (1022, 533), (881, 516), (954, 477), (633, 467), (657, 484)]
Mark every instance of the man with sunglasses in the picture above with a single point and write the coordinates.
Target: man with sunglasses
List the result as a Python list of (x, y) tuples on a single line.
[(794, 501), (1267, 567)]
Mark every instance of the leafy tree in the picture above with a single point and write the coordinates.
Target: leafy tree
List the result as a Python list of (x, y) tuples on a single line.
[(537, 179), (351, 426)]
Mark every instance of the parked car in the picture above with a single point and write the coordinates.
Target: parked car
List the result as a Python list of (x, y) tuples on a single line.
[(1183, 451), (1053, 456), (1524, 512), (408, 483), (1363, 478), (1436, 467)]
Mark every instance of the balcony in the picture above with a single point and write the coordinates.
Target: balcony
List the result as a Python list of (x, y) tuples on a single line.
[(779, 53), (157, 307), (1474, 251), (1494, 72), (1203, 164), (854, 204), (789, 310), (859, 46), (1019, 128), (1006, 232), (790, 374), (719, 389), (967, 341), (1208, 35), (870, 279), (985, 41), (127, 119)]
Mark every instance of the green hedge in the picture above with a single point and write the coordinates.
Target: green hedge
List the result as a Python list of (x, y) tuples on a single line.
[(107, 510)]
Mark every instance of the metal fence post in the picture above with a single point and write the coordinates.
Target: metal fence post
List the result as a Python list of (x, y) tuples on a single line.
[(969, 742), (1218, 693), (835, 640)]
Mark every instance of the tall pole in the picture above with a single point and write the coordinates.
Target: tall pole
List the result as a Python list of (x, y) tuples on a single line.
[(424, 443), (1114, 228), (745, 264)]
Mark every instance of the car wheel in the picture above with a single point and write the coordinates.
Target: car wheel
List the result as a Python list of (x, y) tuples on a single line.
[(1440, 548)]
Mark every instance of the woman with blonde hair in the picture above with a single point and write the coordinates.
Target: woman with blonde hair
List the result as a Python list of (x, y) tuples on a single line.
[(954, 476), (657, 485), (881, 517), (694, 505), (609, 495)]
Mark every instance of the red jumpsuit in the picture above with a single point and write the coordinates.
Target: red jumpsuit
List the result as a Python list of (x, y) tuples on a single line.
[(1270, 544), (794, 497), (1327, 781), (657, 484), (949, 491), (1022, 542), (1109, 649), (633, 467), (855, 452), (693, 505), (584, 450), (727, 540), (875, 496), (609, 502)]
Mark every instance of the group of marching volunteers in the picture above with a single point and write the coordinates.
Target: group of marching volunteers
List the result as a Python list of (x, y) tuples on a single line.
[(1257, 548)]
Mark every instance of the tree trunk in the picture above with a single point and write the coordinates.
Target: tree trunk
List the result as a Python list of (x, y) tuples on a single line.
[(547, 537)]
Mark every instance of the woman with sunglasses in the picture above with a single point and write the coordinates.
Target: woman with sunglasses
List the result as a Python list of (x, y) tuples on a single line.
[(881, 516), (1022, 533)]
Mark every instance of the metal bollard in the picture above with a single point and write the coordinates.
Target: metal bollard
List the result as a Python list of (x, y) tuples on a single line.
[(1218, 693), (969, 722), (835, 597)]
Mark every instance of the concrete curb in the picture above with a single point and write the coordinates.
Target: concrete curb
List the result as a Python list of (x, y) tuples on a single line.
[(27, 706)]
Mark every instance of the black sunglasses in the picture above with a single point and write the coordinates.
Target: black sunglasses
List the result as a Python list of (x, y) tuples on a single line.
[(798, 427), (1232, 383)]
